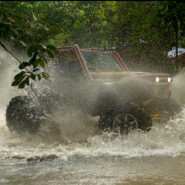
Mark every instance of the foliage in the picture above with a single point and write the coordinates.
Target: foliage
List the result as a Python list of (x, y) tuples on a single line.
[(21, 25), (141, 31)]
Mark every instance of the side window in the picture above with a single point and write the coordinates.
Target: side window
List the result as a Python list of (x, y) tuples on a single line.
[(68, 65)]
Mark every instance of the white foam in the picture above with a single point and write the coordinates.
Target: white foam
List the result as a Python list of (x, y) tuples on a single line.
[(79, 137)]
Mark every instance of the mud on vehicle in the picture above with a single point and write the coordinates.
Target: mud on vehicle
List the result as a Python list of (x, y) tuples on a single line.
[(101, 85)]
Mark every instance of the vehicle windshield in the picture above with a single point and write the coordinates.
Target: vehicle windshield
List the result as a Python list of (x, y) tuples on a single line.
[(101, 62)]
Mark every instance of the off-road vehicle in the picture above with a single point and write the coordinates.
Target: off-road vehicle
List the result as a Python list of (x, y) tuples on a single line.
[(99, 83)]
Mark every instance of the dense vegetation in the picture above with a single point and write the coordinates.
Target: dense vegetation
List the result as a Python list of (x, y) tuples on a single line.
[(142, 32)]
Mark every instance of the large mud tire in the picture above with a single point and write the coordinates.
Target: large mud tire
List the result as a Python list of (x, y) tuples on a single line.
[(22, 116), (140, 117)]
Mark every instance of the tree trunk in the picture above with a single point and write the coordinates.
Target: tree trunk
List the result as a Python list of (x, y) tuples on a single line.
[(176, 45)]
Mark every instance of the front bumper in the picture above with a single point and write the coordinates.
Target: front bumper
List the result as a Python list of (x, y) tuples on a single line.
[(160, 116)]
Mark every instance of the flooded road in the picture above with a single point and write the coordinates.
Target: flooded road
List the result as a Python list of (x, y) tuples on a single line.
[(156, 157)]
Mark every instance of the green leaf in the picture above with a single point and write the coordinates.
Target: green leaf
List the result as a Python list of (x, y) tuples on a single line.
[(15, 83), (33, 76), (27, 81), (15, 31), (50, 53), (36, 63), (23, 65), (21, 85), (33, 58), (45, 60), (51, 47), (30, 50), (42, 48), (45, 75), (42, 64), (39, 77), (19, 76), (35, 70)]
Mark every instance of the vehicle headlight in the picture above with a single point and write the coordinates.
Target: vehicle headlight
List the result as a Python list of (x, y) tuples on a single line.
[(157, 79), (163, 79), (169, 79)]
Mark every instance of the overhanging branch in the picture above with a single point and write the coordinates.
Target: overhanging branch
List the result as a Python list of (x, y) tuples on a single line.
[(4, 47)]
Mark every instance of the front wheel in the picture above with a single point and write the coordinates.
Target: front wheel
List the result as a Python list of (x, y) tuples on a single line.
[(124, 123), (123, 120)]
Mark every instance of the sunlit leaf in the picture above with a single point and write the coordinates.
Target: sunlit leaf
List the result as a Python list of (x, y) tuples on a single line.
[(42, 64)]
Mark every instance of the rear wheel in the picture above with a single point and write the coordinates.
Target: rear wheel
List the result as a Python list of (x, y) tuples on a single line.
[(22, 116)]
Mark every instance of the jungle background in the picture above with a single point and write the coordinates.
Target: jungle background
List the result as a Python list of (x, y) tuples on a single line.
[(141, 31)]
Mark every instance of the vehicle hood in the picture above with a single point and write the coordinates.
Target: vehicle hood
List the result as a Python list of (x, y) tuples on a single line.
[(120, 75)]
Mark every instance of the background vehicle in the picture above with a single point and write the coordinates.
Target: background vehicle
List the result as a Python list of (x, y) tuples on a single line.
[(100, 84)]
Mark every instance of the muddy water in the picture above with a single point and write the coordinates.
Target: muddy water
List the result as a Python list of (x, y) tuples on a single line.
[(75, 152), (157, 157)]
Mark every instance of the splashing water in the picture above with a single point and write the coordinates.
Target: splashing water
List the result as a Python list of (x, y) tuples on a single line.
[(79, 134), (76, 139)]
